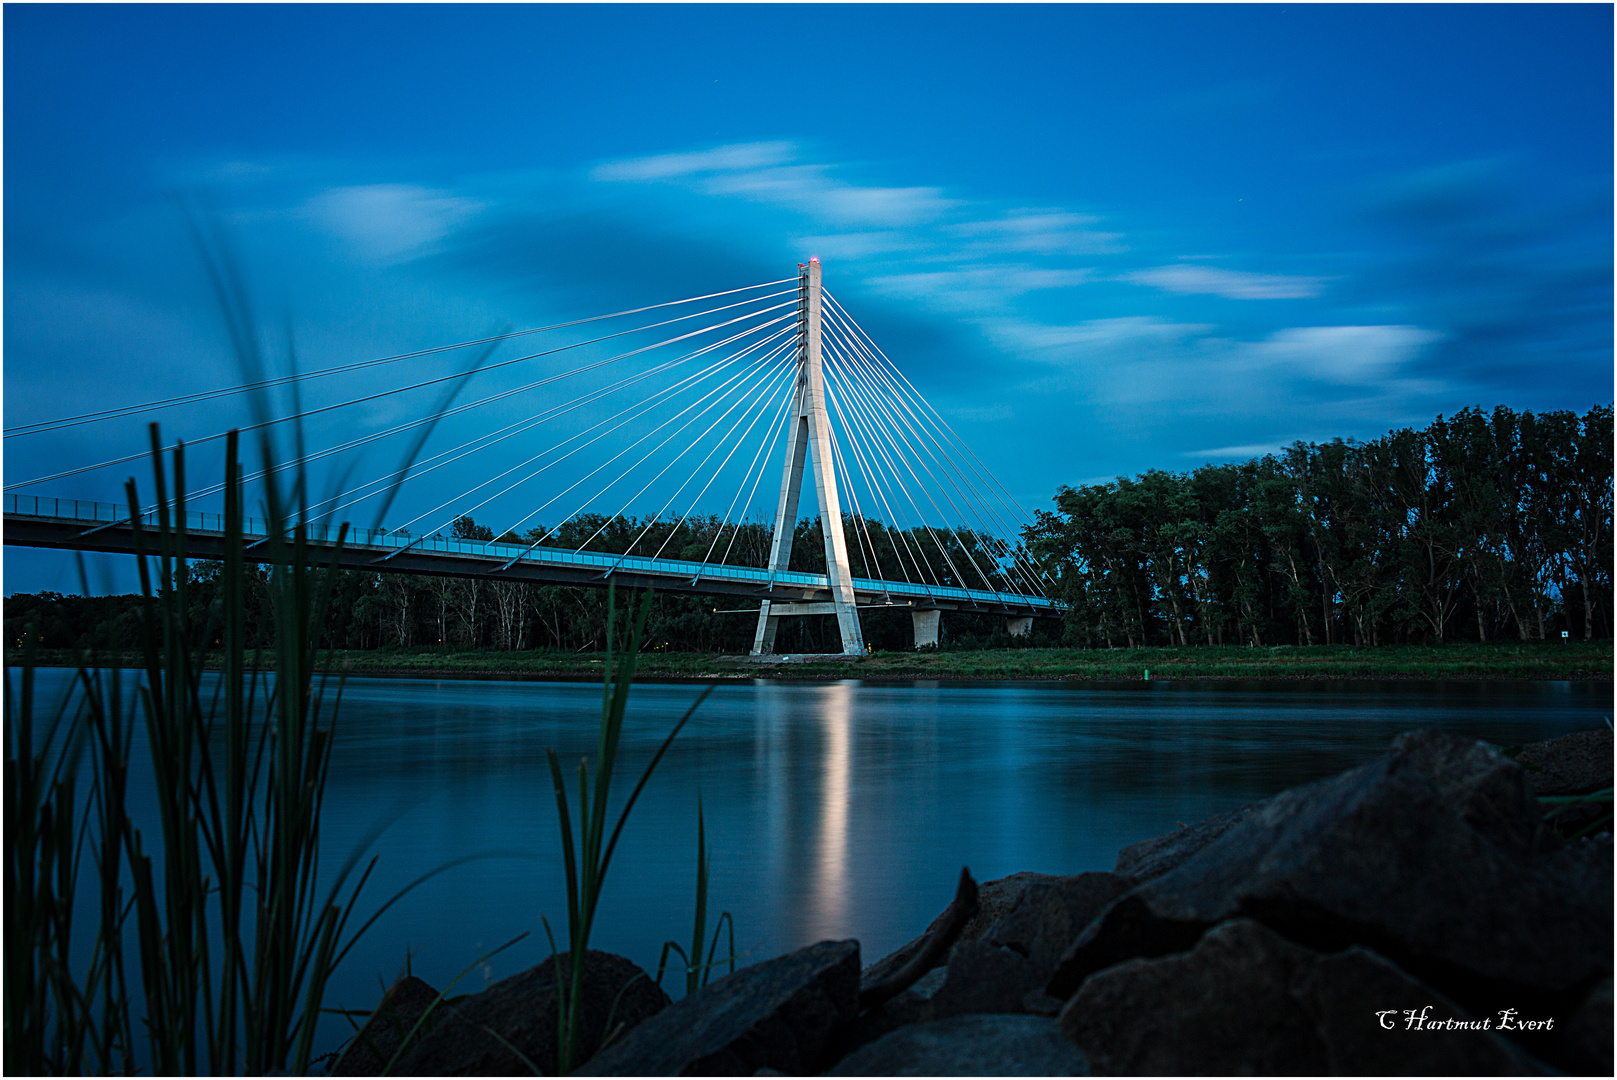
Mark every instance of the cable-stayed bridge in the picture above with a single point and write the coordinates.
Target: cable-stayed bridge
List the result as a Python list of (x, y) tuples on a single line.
[(773, 382)]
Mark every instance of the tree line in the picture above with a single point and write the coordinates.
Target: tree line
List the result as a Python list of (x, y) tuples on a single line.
[(1480, 526)]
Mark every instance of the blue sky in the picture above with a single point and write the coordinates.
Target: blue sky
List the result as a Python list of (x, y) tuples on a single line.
[(1099, 239)]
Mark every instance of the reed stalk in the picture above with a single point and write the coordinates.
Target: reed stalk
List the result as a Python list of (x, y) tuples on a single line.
[(586, 861), (697, 971)]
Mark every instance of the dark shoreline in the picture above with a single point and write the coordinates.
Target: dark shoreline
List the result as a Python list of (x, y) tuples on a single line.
[(776, 674)]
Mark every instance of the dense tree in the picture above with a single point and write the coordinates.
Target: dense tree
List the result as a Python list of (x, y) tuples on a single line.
[(1477, 526)]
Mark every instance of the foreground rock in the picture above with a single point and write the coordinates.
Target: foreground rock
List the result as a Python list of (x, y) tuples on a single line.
[(969, 1046), (522, 1010), (1433, 856), (375, 1044), (1247, 1001), (995, 899), (781, 1014), (1575, 764), (1157, 856)]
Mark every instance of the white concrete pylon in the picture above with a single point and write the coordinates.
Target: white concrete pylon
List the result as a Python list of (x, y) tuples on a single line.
[(809, 432)]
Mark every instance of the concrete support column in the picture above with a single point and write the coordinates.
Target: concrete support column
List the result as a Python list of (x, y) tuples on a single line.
[(1019, 625), (808, 439), (928, 627)]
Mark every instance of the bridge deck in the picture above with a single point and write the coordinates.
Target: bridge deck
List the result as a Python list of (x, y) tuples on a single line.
[(34, 521)]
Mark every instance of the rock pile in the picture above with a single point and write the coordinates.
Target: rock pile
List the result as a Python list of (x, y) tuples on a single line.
[(1417, 915)]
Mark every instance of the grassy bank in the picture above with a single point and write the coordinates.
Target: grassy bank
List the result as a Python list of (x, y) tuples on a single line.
[(1465, 660)]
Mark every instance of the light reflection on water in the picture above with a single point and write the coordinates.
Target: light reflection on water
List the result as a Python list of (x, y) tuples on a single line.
[(841, 809)]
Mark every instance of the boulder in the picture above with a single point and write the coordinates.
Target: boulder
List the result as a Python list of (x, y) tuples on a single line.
[(995, 965), (985, 978), (1245, 1001), (969, 1046), (1050, 915), (781, 1014), (1433, 856), (1154, 857), (913, 1006), (374, 1045), (994, 900), (1581, 1043), (1574, 764), (523, 1011)]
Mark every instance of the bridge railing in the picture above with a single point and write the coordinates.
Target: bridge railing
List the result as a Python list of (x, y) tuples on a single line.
[(256, 528)]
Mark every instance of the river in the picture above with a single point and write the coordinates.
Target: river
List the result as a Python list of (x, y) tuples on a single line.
[(833, 809)]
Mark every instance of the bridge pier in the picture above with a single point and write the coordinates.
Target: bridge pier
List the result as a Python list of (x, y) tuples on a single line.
[(808, 439), (1019, 625), (928, 627)]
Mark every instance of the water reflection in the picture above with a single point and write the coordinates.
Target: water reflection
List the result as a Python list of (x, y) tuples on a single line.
[(828, 915)]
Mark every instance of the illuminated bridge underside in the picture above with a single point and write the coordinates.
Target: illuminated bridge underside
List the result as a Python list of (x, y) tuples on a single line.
[(99, 526)]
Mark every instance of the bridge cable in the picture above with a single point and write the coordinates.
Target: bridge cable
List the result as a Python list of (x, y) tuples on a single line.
[(1003, 494), (859, 426), (282, 380), (775, 428), (518, 427), (553, 529), (854, 380), (872, 425), (871, 488), (431, 382), (740, 442), (505, 432), (923, 437), (975, 499), (863, 423), (859, 532), (768, 452), (766, 386), (972, 499), (638, 409), (898, 427), (625, 474)]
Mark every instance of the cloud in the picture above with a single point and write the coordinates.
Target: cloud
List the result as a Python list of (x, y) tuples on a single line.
[(1348, 355), (739, 157), (1232, 284), (387, 221), (809, 189), (1076, 340), (978, 288), (767, 172), (1048, 232), (1237, 453)]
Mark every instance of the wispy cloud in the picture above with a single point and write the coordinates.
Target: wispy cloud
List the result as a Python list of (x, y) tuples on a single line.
[(387, 221), (1348, 355), (977, 289), (739, 157), (1061, 344), (768, 172), (1232, 284), (1048, 232), (1232, 453)]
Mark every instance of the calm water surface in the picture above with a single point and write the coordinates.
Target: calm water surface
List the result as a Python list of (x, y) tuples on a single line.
[(834, 810)]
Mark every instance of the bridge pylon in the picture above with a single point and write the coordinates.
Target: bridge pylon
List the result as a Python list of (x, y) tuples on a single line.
[(809, 432)]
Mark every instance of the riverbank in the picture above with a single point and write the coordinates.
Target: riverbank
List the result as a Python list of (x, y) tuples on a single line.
[(1549, 660)]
